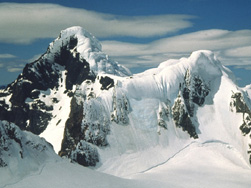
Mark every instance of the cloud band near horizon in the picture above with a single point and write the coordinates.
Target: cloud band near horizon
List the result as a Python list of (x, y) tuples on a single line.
[(231, 47), (25, 23)]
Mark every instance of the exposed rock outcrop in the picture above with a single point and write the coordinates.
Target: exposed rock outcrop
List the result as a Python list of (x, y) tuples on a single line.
[(239, 105), (22, 146), (192, 93)]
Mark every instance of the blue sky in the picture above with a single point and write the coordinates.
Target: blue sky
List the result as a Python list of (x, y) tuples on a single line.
[(139, 34)]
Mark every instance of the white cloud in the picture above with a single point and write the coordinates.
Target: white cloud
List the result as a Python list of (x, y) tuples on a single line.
[(14, 69), (231, 47), (247, 67), (244, 51), (6, 56), (24, 23), (12, 65)]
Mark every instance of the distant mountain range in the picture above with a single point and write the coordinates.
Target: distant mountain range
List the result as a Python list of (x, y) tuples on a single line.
[(94, 112)]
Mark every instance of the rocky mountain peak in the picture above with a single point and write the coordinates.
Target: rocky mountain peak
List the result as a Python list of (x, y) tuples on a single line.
[(72, 58), (83, 44)]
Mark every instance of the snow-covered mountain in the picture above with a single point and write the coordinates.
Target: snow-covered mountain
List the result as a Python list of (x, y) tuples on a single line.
[(96, 113), (21, 152)]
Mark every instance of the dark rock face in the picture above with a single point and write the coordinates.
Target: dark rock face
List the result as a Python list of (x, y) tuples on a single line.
[(38, 121), (28, 110), (239, 105), (84, 131), (182, 118), (77, 68), (41, 75), (72, 133), (192, 92), (85, 154), (106, 82)]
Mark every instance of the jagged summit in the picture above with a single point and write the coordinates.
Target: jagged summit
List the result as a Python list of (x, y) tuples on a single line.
[(87, 42), (89, 48), (74, 57)]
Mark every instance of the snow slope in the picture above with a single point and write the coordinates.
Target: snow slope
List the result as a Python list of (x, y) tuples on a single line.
[(209, 164)]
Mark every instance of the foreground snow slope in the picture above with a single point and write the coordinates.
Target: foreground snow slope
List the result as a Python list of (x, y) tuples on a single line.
[(64, 174), (210, 164)]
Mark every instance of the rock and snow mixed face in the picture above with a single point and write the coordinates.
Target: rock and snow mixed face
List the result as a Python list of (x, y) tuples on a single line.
[(21, 153), (94, 112), (41, 95), (82, 43)]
